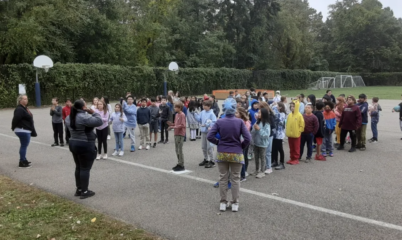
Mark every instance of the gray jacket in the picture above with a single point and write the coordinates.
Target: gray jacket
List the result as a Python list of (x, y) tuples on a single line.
[(56, 114), (84, 126)]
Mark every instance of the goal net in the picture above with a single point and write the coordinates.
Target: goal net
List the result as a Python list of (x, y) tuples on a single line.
[(340, 81)]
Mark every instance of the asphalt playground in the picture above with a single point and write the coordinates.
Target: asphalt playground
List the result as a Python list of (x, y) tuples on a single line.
[(350, 196)]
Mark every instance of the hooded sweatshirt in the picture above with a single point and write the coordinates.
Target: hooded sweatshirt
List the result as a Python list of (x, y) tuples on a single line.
[(261, 137), (154, 113), (253, 111), (364, 111), (131, 114), (330, 120), (117, 125), (143, 115), (295, 122), (206, 118), (321, 122), (351, 118)]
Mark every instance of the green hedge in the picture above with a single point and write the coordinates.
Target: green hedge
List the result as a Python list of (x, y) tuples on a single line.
[(382, 79), (89, 80)]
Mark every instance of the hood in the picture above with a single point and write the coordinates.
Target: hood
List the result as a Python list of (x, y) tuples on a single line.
[(312, 99), (229, 106), (254, 101)]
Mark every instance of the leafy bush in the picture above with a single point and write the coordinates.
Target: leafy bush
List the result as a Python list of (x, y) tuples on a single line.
[(382, 79)]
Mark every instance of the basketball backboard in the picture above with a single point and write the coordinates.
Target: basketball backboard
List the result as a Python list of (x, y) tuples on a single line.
[(44, 62)]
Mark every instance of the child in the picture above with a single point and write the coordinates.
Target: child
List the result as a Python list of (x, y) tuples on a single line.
[(130, 110), (277, 143), (95, 103), (166, 115), (375, 118), (400, 114), (57, 122), (255, 105), (351, 120), (330, 123), (268, 152), (361, 131), (110, 110), (199, 109), (311, 126), (118, 119), (207, 119), (321, 130), (192, 121), (65, 113), (144, 120), (101, 131), (179, 127), (338, 114), (242, 114), (260, 133), (153, 126), (294, 128)]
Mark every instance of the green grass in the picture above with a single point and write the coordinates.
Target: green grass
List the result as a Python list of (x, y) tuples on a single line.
[(390, 92), (29, 213)]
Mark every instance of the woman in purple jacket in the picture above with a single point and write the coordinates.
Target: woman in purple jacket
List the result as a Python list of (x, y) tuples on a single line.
[(230, 156)]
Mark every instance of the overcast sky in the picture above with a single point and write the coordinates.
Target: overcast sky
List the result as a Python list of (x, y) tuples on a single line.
[(322, 6)]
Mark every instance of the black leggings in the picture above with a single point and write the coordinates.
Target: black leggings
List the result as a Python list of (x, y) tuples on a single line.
[(164, 130), (352, 135), (277, 146), (58, 132), (84, 154), (102, 139)]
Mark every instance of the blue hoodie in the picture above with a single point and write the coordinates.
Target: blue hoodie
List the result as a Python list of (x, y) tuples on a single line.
[(253, 111), (261, 137), (364, 111), (203, 118), (131, 114)]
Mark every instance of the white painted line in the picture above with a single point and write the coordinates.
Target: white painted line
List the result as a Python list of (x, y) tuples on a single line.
[(180, 172), (260, 194)]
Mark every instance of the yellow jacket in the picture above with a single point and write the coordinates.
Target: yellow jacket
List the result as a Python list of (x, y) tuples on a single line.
[(295, 122)]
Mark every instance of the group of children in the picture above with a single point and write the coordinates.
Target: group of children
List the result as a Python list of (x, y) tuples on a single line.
[(308, 123)]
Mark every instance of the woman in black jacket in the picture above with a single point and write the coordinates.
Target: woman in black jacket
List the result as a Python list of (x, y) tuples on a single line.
[(81, 124), (23, 127)]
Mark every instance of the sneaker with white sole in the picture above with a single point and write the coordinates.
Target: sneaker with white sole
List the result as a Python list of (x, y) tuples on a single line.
[(235, 207), (108, 137), (260, 175), (147, 147), (121, 153), (140, 147), (268, 171), (247, 174), (98, 157), (115, 153), (104, 156), (224, 206)]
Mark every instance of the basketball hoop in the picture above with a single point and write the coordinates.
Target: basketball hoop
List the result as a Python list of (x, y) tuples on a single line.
[(46, 68)]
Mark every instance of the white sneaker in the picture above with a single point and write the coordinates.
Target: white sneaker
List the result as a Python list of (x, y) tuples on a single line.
[(115, 153), (268, 171), (224, 206), (140, 147), (235, 207), (148, 147), (247, 174), (108, 137), (105, 156), (98, 157), (121, 153), (260, 175)]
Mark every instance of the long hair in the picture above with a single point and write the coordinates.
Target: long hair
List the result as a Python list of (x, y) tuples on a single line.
[(271, 116), (264, 117), (170, 99), (121, 108), (106, 99), (243, 114), (192, 105), (282, 106), (341, 104), (78, 105), (104, 106)]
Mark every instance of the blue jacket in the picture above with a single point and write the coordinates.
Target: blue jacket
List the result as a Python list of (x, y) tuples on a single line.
[(118, 126), (203, 118), (364, 111), (252, 112), (131, 114), (261, 137), (143, 115)]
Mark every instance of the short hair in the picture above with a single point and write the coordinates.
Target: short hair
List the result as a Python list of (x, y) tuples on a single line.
[(342, 95), (231, 92), (238, 100), (363, 96), (375, 99), (56, 98), (129, 96), (179, 105), (265, 93), (163, 97), (329, 90), (68, 99), (252, 89), (330, 104), (153, 100), (319, 105), (143, 100), (212, 96), (283, 98), (351, 97), (301, 95), (20, 98), (207, 103)]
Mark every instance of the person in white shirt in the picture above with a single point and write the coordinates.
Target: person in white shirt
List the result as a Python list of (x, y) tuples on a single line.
[(277, 97)]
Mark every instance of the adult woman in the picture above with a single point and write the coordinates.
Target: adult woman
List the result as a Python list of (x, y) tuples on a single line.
[(82, 144), (23, 127), (230, 156)]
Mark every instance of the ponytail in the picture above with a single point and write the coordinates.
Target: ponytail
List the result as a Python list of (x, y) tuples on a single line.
[(78, 105)]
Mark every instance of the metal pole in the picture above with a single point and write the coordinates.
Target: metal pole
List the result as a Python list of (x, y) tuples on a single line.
[(164, 84), (37, 91)]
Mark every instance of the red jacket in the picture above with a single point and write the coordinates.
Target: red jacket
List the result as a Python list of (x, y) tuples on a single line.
[(351, 118), (65, 112)]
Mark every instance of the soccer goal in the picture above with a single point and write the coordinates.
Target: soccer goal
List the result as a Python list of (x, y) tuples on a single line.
[(339, 81)]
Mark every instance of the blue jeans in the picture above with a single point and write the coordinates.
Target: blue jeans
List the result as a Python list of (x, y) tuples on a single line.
[(245, 165), (25, 138), (119, 141), (268, 153), (327, 145), (374, 130), (306, 138)]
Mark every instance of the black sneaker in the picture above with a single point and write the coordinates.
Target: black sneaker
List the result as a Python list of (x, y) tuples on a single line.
[(55, 144), (280, 167), (340, 147), (308, 160), (161, 141), (274, 165), (77, 193), (166, 142), (203, 163), (358, 147), (61, 144), (210, 164), (24, 164), (87, 194), (154, 146), (178, 168), (352, 149), (26, 160), (336, 145)]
